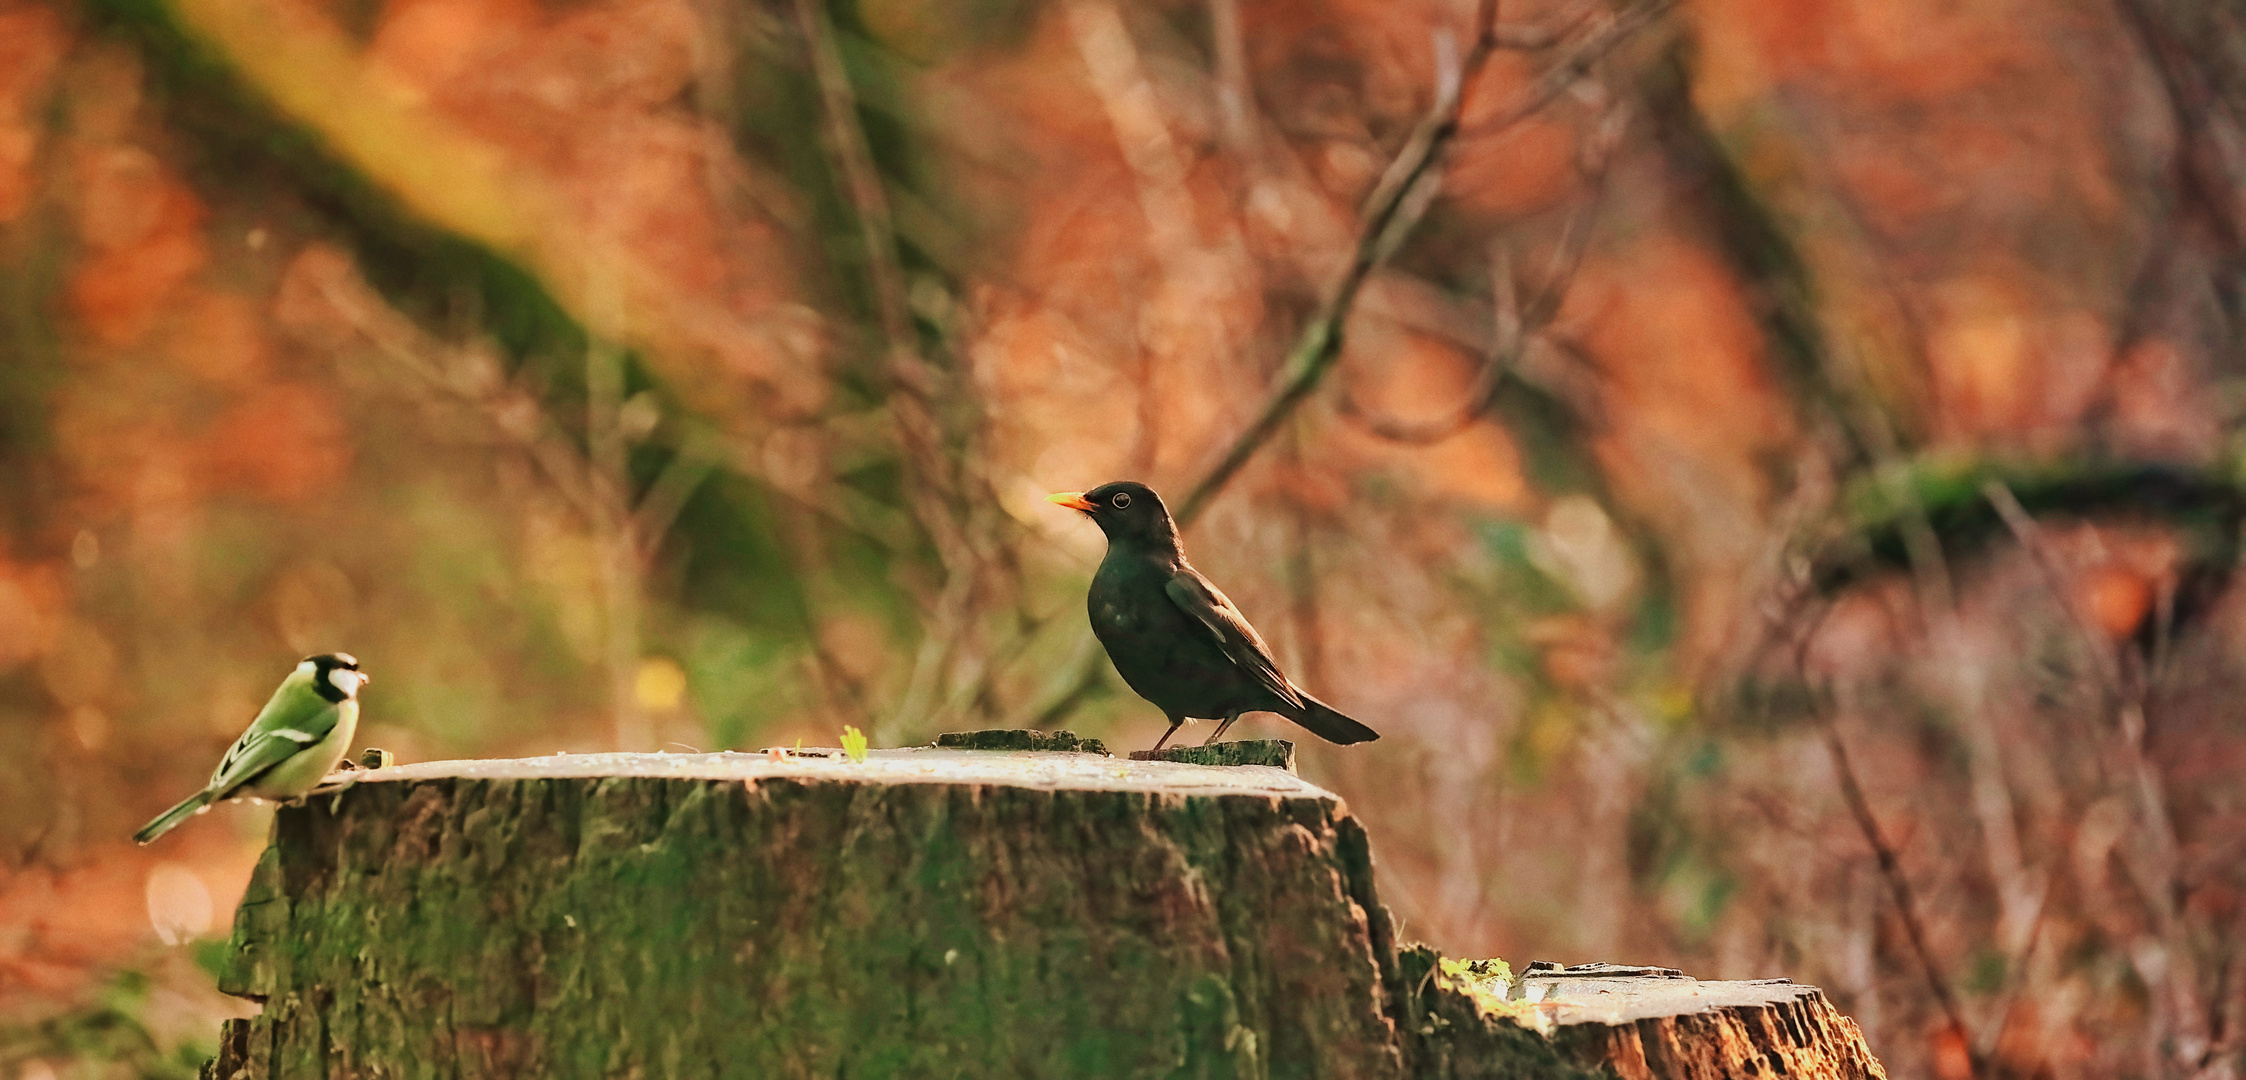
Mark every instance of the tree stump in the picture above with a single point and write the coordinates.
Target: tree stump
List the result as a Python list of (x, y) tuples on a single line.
[(927, 912), (1648, 1023)]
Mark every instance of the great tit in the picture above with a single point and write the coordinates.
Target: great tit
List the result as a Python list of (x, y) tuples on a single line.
[(294, 743)]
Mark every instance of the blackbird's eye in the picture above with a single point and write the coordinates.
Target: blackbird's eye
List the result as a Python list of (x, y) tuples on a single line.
[(1121, 500)]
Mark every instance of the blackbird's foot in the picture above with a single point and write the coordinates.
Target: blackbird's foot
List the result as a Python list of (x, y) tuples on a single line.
[(1221, 729), (1175, 724)]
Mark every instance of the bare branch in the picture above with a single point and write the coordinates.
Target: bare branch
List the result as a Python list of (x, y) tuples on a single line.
[(1385, 211), (1498, 364), (2157, 874), (861, 182), (2016, 968), (592, 479), (939, 481), (1389, 212), (1074, 681), (510, 410), (1883, 853), (1233, 91), (1529, 37), (1560, 76), (913, 383), (1516, 328), (2030, 536), (660, 505)]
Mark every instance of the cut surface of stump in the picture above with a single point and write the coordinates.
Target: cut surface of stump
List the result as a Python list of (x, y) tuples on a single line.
[(927, 912)]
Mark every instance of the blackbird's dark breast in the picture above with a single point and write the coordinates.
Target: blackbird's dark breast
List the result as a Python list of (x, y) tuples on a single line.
[(1163, 653)]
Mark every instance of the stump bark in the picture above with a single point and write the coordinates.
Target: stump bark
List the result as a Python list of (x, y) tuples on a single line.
[(929, 912)]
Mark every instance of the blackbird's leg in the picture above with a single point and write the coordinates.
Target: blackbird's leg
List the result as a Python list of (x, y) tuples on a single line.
[(1176, 722), (1219, 732)]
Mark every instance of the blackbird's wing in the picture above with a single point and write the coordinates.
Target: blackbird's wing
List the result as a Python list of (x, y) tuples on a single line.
[(1240, 642)]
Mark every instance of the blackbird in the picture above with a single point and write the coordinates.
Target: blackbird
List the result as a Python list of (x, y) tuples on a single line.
[(1173, 636)]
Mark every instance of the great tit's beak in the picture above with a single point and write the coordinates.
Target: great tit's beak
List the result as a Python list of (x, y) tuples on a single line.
[(1074, 500)]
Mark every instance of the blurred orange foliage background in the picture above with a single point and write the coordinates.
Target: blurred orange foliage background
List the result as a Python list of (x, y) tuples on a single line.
[(1758, 403)]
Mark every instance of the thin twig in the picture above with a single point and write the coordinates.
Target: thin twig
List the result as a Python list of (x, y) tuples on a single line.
[(1302, 583), (666, 497), (1890, 866), (1078, 676), (1516, 327), (861, 183), (2020, 888), (1561, 75), (510, 410), (912, 381), (592, 479), (937, 479), (1234, 94), (2205, 178), (842, 506), (1508, 344), (2160, 884), (622, 563), (2016, 974), (1529, 37), (2029, 535), (1389, 213), (2129, 706)]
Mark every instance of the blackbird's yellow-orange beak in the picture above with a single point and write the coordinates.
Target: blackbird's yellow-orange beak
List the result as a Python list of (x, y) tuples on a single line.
[(1074, 500)]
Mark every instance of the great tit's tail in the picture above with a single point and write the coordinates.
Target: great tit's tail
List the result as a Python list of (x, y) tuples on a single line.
[(169, 819), (1329, 724)]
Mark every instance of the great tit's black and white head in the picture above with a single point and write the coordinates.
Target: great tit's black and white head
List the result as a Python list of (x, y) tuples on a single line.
[(1129, 512), (336, 675)]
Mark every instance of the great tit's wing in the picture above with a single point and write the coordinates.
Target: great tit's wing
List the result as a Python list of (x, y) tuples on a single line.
[(295, 718), (1240, 642), (253, 755)]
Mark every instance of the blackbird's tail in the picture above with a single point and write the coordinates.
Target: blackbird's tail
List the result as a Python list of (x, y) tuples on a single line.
[(1329, 724)]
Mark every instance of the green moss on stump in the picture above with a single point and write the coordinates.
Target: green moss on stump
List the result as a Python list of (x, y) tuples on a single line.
[(1062, 741), (1275, 753)]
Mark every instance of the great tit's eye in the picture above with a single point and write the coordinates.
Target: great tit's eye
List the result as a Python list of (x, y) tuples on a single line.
[(1121, 500)]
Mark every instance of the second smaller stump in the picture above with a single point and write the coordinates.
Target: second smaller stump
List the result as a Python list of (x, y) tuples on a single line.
[(1274, 753)]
